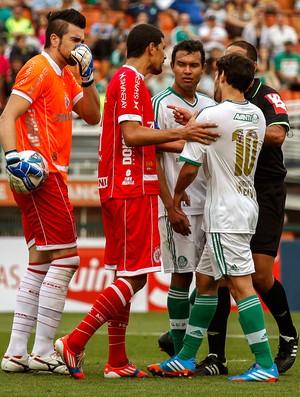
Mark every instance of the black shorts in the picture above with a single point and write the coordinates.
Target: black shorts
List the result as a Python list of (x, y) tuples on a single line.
[(271, 201)]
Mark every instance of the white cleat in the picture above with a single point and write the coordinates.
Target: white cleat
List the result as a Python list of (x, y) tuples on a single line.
[(14, 364), (53, 363)]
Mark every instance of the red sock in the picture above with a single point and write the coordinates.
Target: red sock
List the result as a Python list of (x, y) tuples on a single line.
[(109, 303), (117, 356)]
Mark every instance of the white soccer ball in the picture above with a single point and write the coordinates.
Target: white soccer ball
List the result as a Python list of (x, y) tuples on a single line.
[(36, 179)]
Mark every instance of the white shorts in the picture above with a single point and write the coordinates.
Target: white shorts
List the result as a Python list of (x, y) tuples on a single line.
[(181, 254), (226, 254)]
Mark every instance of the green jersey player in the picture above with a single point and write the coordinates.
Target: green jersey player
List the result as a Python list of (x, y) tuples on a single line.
[(180, 254), (230, 218)]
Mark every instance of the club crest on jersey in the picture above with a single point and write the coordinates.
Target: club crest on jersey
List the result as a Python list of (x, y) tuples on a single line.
[(156, 255), (67, 101), (253, 118), (149, 165), (182, 262)]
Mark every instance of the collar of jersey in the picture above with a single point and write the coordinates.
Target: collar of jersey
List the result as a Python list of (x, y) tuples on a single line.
[(254, 89), (135, 70), (54, 65)]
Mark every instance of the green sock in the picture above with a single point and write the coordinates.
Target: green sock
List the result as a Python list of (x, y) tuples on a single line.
[(179, 311), (201, 315), (252, 320)]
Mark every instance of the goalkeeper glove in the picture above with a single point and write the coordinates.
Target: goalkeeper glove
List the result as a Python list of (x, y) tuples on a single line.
[(12, 157), (83, 56), (19, 172)]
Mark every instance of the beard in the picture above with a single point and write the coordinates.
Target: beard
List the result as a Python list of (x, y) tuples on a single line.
[(157, 71), (70, 61)]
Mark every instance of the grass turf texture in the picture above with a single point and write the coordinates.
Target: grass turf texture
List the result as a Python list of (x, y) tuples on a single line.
[(143, 332)]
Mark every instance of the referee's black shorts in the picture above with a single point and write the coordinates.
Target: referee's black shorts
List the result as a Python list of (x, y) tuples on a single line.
[(271, 201)]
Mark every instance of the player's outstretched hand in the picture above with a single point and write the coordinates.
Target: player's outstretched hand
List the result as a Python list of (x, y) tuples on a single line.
[(83, 56), (181, 115), (200, 132)]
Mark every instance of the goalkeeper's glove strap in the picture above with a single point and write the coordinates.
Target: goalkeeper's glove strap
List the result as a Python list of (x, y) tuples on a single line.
[(12, 157), (87, 83)]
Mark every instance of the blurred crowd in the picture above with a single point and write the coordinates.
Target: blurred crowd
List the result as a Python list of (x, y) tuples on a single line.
[(271, 29)]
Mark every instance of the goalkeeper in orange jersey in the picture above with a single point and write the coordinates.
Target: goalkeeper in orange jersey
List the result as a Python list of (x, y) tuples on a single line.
[(38, 116)]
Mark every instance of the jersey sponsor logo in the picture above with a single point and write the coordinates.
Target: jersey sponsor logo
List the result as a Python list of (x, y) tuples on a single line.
[(136, 91), (27, 73), (61, 117), (38, 81), (277, 102), (123, 90), (127, 154), (67, 101), (33, 133), (128, 178), (128, 181), (102, 182), (252, 118), (246, 189)]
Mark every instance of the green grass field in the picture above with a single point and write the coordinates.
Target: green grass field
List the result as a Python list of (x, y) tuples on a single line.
[(143, 332)]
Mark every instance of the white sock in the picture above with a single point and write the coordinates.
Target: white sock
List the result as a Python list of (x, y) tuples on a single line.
[(26, 308), (52, 301)]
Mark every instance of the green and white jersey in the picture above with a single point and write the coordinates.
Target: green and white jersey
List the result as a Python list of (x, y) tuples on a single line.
[(229, 165), (171, 162)]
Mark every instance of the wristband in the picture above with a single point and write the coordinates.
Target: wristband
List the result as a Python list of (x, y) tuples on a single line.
[(12, 157), (87, 83)]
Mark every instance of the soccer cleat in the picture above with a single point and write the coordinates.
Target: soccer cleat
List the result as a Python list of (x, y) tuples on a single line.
[(165, 343), (53, 363), (211, 365), (257, 374), (287, 351), (73, 361), (14, 364), (128, 371), (174, 367)]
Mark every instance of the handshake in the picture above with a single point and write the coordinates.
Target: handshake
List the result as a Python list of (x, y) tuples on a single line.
[(83, 56)]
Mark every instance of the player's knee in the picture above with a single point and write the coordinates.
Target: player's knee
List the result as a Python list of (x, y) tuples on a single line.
[(181, 280), (262, 282), (137, 282)]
